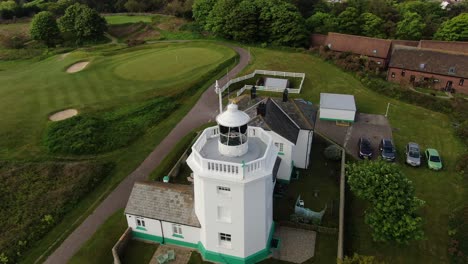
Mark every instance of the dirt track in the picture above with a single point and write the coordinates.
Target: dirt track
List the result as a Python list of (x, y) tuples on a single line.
[(204, 110)]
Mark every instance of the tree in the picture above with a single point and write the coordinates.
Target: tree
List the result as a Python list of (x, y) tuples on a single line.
[(411, 27), (136, 5), (321, 23), (218, 20), (455, 29), (371, 25), (81, 23), (288, 26), (348, 21), (44, 28), (201, 10), (244, 22), (391, 195)]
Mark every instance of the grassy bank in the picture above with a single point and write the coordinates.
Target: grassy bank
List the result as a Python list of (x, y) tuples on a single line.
[(442, 190)]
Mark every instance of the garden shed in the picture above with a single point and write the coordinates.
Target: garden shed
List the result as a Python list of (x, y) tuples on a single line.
[(337, 107)]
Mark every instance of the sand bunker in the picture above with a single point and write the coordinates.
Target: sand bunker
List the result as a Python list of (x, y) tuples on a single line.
[(62, 115), (79, 66)]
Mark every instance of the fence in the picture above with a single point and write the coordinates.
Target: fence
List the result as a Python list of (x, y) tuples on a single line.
[(266, 88), (119, 247), (317, 228)]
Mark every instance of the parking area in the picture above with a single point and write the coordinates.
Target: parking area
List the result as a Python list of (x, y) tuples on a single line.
[(374, 127)]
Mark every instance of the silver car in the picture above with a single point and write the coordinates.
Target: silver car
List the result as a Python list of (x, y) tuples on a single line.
[(413, 155)]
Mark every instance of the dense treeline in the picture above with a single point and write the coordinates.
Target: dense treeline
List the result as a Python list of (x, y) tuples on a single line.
[(412, 20)]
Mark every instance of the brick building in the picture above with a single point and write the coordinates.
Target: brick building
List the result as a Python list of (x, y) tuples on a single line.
[(455, 46), (375, 49), (441, 69)]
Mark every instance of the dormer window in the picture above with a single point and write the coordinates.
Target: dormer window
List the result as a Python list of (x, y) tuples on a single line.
[(452, 70), (374, 51), (422, 66)]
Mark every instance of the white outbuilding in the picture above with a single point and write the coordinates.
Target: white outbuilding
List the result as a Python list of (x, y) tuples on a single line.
[(337, 107)]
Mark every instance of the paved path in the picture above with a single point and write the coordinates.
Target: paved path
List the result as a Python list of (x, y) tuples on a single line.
[(204, 110)]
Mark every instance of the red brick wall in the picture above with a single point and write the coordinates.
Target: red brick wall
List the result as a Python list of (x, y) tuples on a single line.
[(398, 78), (317, 40)]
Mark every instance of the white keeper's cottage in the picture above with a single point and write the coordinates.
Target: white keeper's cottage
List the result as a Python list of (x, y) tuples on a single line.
[(227, 215)]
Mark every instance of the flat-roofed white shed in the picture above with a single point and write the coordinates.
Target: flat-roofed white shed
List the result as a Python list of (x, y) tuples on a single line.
[(337, 107)]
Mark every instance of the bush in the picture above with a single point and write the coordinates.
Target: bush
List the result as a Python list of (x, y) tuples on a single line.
[(135, 42), (103, 132), (332, 152), (13, 41), (44, 28), (35, 196), (458, 232)]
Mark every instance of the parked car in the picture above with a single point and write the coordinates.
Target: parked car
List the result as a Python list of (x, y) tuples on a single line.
[(413, 154), (365, 148), (434, 161), (387, 150)]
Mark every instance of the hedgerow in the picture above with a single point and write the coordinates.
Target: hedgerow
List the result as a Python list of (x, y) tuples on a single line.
[(106, 131), (35, 196)]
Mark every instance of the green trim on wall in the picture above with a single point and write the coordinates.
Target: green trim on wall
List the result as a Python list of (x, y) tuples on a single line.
[(141, 228), (180, 243), (210, 255), (333, 119), (178, 235), (147, 237), (280, 153), (283, 181)]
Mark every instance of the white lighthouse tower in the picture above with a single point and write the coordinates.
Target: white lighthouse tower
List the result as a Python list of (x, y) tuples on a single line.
[(234, 169)]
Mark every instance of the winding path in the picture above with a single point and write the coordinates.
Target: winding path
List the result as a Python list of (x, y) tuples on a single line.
[(204, 110)]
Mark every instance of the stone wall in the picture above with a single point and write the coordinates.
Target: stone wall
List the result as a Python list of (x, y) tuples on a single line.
[(120, 246)]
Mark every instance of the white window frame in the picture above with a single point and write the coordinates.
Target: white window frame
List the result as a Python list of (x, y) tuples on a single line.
[(227, 217), (280, 146), (177, 229), (223, 190), (225, 240), (140, 221)]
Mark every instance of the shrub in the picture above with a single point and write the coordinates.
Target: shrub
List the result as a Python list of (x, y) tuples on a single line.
[(103, 132), (332, 152), (13, 41), (44, 28), (35, 196)]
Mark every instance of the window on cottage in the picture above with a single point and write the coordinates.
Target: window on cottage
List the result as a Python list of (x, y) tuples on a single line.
[(280, 146), (403, 72), (225, 239), (393, 75), (422, 66), (374, 51), (176, 229), (461, 82), (140, 221), (452, 70), (223, 189)]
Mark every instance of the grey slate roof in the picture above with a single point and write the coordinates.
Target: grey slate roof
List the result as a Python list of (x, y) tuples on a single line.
[(163, 201), (279, 122), (337, 101), (430, 61)]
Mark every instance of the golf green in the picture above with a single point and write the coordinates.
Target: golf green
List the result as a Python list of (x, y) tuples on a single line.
[(31, 90), (167, 63)]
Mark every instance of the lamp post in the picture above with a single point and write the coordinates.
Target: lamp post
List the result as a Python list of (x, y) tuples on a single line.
[(386, 112)]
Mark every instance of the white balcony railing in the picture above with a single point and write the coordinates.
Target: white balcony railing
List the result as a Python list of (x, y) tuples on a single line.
[(234, 169)]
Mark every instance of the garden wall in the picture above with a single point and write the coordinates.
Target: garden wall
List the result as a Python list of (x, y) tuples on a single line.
[(120, 246)]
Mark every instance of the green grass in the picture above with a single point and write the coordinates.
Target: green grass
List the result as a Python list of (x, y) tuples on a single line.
[(442, 190), (137, 252), (46, 87), (116, 20), (126, 159), (98, 249)]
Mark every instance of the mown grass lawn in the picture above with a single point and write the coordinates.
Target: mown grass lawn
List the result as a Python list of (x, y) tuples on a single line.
[(442, 190), (101, 90), (122, 19), (112, 78)]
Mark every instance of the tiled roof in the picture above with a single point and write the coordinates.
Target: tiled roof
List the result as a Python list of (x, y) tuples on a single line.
[(163, 201), (372, 47), (430, 61), (455, 46), (279, 122)]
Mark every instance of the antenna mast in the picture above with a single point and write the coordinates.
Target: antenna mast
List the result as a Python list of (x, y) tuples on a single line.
[(220, 96)]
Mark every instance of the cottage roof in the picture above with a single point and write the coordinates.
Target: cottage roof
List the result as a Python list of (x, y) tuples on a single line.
[(430, 61), (163, 201), (455, 46), (371, 47), (337, 101)]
